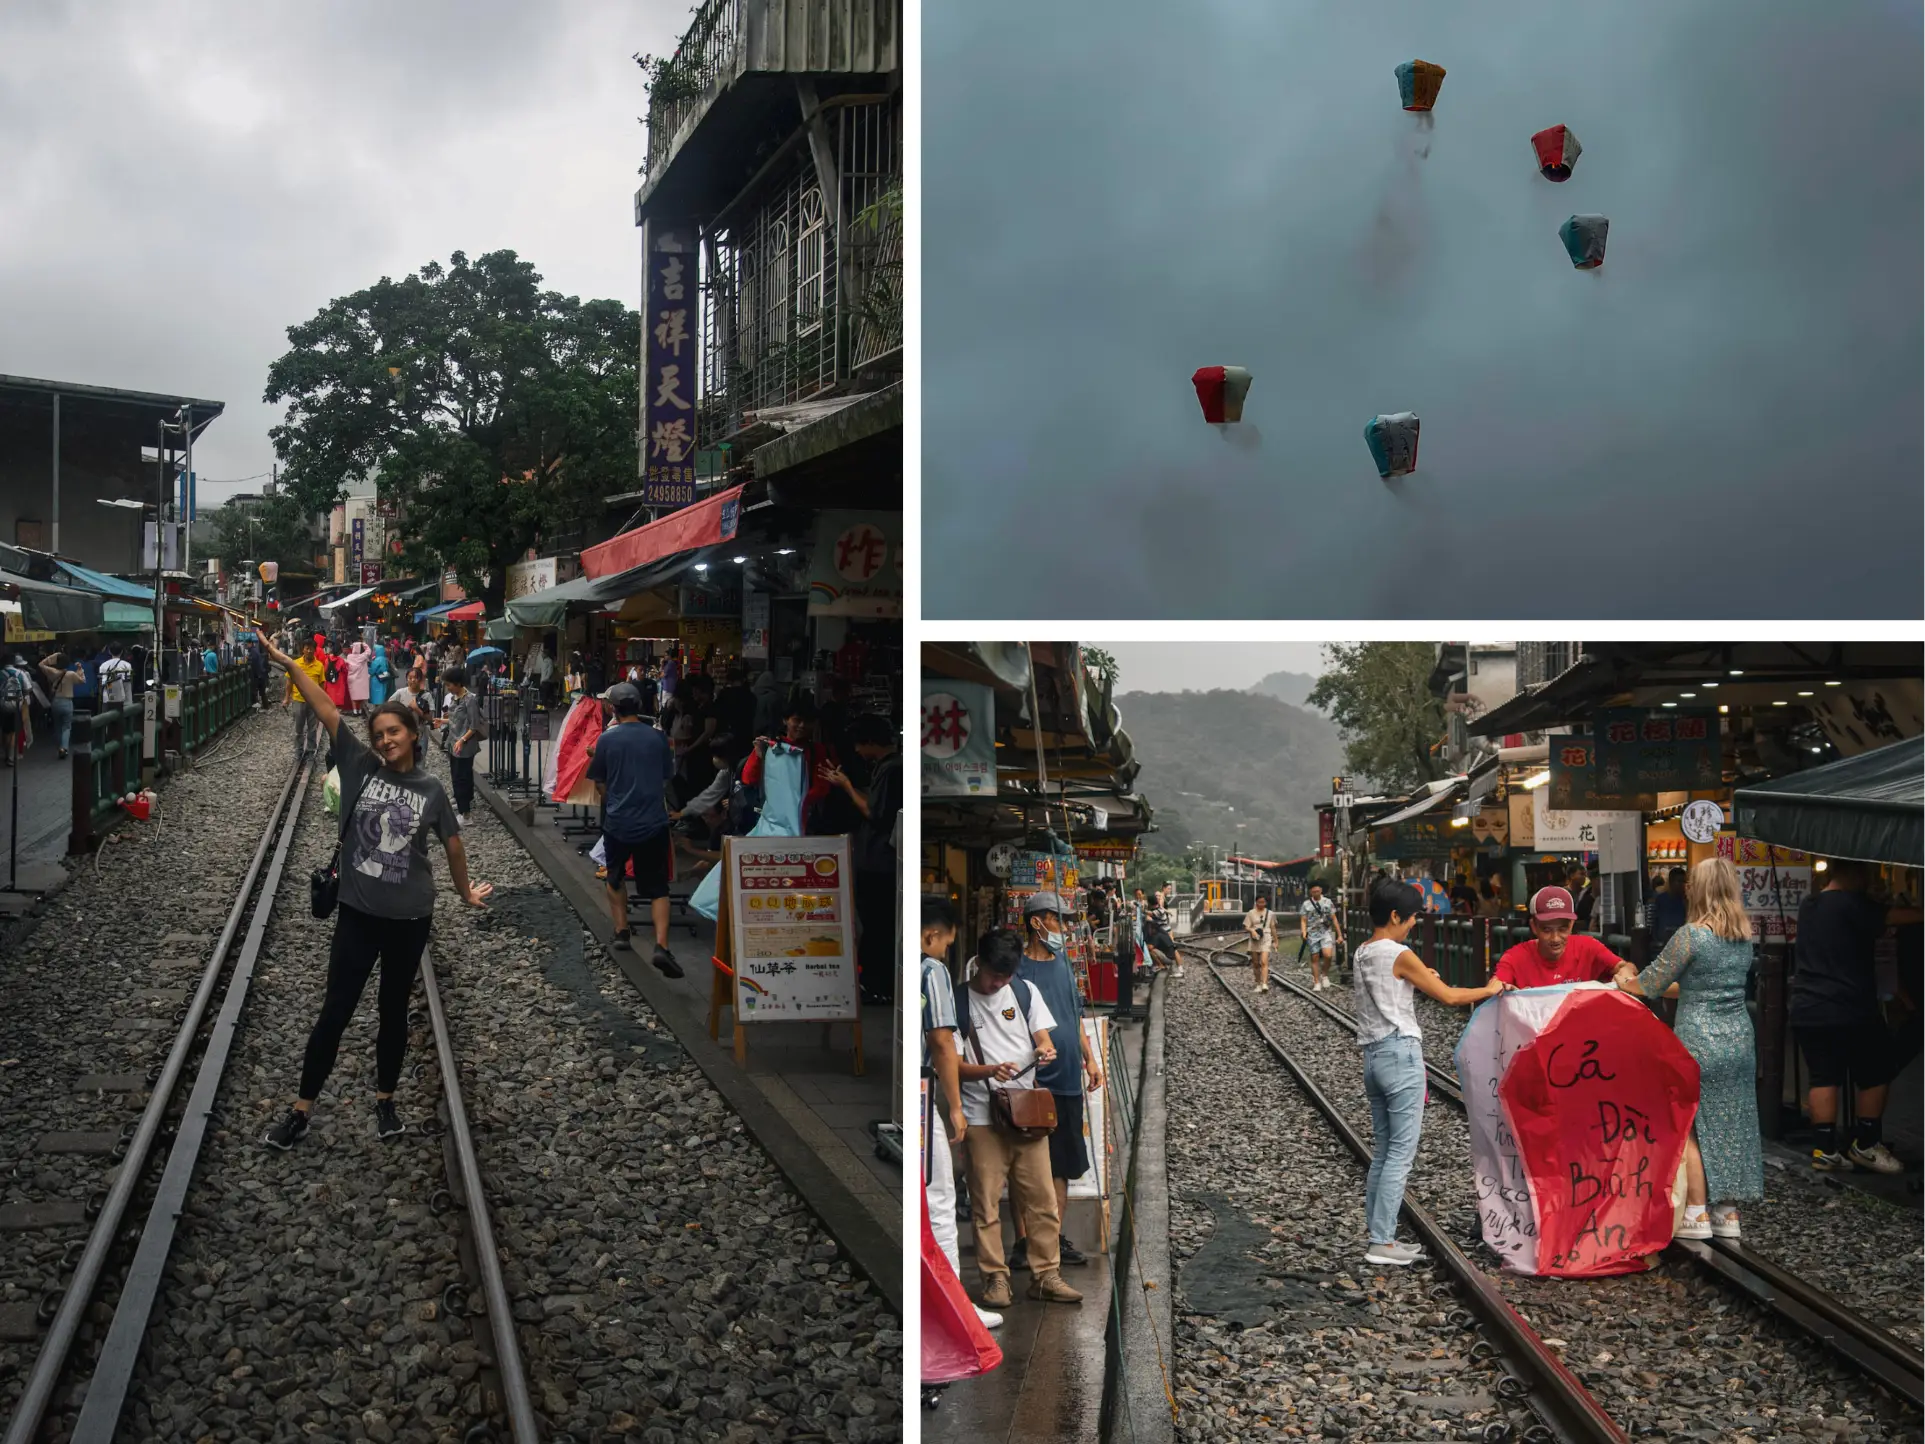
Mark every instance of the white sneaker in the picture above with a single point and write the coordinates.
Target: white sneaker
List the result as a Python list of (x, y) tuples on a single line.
[(987, 1319), (1724, 1222), (462, 818), (1398, 1255), (1878, 1158), (1694, 1225)]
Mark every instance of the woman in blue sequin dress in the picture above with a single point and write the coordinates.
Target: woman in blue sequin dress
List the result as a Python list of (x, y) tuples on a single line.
[(1709, 959)]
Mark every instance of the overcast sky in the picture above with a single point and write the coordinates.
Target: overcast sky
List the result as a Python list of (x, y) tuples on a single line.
[(1722, 422), (183, 181), (1203, 666)]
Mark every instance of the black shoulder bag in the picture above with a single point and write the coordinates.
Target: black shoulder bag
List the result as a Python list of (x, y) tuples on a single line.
[(324, 883)]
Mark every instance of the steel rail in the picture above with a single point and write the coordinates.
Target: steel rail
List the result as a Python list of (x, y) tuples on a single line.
[(1543, 1382), (1868, 1346), (494, 1287), (107, 1390), (54, 1350)]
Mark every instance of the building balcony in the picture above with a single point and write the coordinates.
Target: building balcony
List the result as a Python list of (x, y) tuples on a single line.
[(727, 98)]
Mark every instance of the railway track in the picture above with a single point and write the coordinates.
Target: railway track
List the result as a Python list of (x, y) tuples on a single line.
[(1565, 1408), (1827, 1318), (134, 1221)]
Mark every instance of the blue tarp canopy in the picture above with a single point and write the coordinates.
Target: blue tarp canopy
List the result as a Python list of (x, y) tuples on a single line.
[(437, 611), (93, 581)]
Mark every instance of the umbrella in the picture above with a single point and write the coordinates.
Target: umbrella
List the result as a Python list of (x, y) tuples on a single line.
[(485, 653)]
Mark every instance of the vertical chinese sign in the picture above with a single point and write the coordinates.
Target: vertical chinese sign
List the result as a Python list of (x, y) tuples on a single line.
[(669, 312), (358, 546)]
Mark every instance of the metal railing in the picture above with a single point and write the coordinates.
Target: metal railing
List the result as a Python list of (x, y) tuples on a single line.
[(704, 58), (107, 759)]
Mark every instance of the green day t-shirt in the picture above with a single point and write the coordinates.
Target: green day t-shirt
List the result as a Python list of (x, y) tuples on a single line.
[(385, 869)]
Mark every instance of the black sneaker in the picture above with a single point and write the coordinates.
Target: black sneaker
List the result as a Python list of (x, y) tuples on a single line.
[(288, 1132), (387, 1123), (1019, 1255), (1070, 1253), (665, 962), (622, 937)]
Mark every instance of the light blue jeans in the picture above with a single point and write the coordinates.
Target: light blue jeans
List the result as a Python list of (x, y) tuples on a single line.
[(1394, 1081), (63, 720)]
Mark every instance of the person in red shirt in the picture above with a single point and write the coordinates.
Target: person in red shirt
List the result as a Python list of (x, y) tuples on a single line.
[(820, 758), (1555, 956)]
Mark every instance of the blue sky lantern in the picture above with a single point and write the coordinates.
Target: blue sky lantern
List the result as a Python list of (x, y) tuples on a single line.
[(1583, 238), (1393, 443), (1418, 82)]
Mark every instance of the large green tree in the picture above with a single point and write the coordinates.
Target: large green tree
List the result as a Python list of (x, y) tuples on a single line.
[(495, 414), (274, 529), (1378, 694)]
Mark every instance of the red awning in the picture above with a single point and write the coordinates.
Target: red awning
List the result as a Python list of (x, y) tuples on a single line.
[(467, 612), (707, 523)]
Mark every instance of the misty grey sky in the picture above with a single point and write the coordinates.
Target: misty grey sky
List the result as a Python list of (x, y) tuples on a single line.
[(1202, 666), (183, 181), (1723, 422)]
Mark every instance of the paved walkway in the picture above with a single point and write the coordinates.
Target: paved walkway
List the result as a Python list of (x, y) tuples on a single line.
[(45, 785), (799, 1098)]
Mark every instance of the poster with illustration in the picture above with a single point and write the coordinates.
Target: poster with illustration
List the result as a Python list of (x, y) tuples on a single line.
[(792, 916)]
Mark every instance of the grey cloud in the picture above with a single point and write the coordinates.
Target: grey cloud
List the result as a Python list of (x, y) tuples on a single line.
[(1117, 194)]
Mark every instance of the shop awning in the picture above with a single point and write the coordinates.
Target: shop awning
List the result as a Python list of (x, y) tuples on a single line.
[(127, 616), (547, 607), (1441, 794), (467, 612), (440, 611), (310, 597), (1870, 807), (499, 629), (88, 579), (353, 596), (709, 522), (50, 607)]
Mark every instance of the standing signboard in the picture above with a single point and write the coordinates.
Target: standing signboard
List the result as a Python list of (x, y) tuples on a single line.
[(958, 730), (787, 926), (669, 361)]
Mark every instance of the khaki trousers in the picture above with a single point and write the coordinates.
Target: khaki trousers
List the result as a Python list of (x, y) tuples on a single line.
[(1024, 1162)]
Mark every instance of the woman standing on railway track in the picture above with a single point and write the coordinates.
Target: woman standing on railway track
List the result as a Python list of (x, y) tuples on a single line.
[(1707, 962), (1387, 977), (1261, 929), (386, 907)]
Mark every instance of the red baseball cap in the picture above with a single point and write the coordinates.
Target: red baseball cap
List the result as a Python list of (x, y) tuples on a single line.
[(1551, 903)]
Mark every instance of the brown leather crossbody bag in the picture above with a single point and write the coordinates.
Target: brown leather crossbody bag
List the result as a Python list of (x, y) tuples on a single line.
[(1025, 1112)]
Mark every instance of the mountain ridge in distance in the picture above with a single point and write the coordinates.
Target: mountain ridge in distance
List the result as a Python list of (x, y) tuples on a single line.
[(1237, 769)]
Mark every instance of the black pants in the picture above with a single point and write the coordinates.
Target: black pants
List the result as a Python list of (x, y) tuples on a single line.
[(461, 771), (260, 691), (361, 940), (876, 949), (1126, 976)]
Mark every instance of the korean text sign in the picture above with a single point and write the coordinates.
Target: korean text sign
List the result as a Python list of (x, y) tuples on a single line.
[(793, 924), (669, 324), (957, 728)]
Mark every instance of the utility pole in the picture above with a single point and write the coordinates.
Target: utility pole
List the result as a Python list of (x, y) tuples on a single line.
[(56, 473), (187, 498), (160, 528)]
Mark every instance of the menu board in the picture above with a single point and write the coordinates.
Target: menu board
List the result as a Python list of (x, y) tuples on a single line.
[(792, 929)]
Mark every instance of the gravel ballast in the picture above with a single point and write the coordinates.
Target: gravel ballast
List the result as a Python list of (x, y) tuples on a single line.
[(666, 1281)]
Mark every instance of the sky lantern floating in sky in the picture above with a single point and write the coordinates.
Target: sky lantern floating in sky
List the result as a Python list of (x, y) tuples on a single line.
[(1220, 390), (1557, 151), (1393, 443), (1583, 238), (1418, 82)]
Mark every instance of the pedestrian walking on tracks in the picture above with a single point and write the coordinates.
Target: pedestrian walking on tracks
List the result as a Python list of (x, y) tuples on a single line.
[(631, 766), (462, 733), (386, 903), (1707, 963), (1006, 1026), (1261, 929), (1388, 975), (316, 669), (1320, 925)]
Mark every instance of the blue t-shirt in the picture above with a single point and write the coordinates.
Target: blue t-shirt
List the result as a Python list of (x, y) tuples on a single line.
[(633, 763), (1052, 978)]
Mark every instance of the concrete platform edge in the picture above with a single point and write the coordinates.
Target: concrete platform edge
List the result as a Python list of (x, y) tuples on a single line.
[(1134, 1406), (833, 1203)]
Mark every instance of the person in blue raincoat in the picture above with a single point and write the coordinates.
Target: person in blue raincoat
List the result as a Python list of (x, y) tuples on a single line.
[(378, 676)]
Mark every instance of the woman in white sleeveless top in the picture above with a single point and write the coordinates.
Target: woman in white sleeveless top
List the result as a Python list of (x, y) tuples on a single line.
[(1387, 976)]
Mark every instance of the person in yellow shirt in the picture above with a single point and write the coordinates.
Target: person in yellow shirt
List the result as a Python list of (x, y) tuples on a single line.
[(316, 668)]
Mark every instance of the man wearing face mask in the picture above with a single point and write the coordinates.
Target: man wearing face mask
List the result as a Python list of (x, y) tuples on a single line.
[(1046, 968)]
